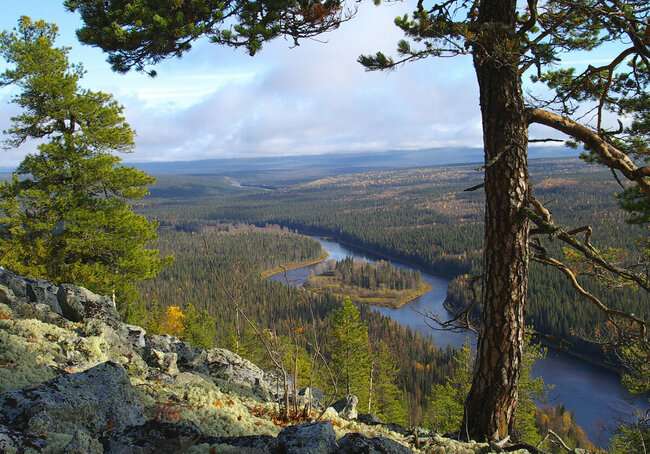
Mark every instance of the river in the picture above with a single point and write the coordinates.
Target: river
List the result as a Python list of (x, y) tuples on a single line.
[(593, 394)]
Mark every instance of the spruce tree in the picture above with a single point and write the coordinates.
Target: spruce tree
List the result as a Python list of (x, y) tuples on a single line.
[(388, 400), (350, 351), (67, 214)]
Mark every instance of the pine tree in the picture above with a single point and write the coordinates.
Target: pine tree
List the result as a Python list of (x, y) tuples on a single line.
[(448, 399), (67, 215), (388, 400), (445, 412), (200, 327), (350, 351)]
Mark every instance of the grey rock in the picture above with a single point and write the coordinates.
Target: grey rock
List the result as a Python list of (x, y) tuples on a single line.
[(369, 419), (234, 370), (347, 406), (83, 443), (7, 296), (372, 420), (15, 283), (188, 357), (153, 437), (78, 303), (14, 441), (96, 400), (164, 361), (354, 443), (311, 438), (257, 444), (312, 396), (43, 292), (135, 335), (32, 290)]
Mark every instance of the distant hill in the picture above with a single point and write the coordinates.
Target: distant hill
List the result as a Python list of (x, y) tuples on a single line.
[(293, 169)]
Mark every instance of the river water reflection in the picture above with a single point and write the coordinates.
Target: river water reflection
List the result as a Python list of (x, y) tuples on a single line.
[(593, 394)]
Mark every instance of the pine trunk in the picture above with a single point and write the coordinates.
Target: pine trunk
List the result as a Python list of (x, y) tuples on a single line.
[(490, 405)]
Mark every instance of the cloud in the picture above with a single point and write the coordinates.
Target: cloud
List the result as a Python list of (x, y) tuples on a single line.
[(314, 98)]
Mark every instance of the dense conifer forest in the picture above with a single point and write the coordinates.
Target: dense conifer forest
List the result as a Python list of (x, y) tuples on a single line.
[(426, 217), (217, 267)]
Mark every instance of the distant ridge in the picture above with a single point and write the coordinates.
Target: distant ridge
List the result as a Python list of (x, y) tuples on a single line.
[(338, 162), (335, 162)]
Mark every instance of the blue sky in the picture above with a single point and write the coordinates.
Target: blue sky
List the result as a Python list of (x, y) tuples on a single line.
[(218, 102)]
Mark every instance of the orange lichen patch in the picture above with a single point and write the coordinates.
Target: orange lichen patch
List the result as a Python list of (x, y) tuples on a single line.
[(4, 315), (168, 412)]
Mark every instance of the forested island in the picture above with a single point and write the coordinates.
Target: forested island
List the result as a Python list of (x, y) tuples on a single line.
[(380, 284)]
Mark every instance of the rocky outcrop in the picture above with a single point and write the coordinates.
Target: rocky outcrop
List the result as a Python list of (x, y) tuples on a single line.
[(347, 406), (355, 443), (311, 438), (75, 379)]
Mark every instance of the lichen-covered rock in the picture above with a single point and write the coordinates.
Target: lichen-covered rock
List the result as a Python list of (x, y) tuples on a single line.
[(153, 437), (97, 400), (233, 370), (7, 296), (187, 356), (310, 438), (15, 441), (36, 291), (310, 396), (347, 407), (135, 335), (83, 443), (165, 362), (78, 303), (93, 384), (354, 443), (372, 420)]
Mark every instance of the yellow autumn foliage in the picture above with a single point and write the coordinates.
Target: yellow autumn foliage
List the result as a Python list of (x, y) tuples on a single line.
[(173, 321)]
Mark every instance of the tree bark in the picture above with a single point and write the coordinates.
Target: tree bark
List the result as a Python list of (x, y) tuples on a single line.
[(491, 403)]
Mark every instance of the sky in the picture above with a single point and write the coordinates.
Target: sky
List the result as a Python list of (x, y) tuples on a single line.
[(217, 102)]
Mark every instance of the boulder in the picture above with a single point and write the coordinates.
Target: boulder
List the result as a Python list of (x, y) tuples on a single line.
[(187, 357), (15, 441), (97, 400), (134, 335), (372, 420), (234, 370), (354, 443), (312, 396), (83, 443), (347, 406), (35, 291), (310, 438), (78, 303), (164, 361), (7, 296), (153, 437)]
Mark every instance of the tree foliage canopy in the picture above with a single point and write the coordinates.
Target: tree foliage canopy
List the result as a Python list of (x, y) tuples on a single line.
[(66, 214), (144, 32)]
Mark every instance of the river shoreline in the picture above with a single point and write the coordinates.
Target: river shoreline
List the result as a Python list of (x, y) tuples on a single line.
[(294, 266), (545, 339)]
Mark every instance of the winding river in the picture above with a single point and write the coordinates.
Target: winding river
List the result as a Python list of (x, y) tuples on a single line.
[(593, 394)]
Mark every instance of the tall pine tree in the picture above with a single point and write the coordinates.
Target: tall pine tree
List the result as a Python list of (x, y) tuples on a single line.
[(350, 351), (67, 215)]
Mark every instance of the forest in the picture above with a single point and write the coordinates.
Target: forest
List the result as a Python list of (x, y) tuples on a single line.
[(541, 253), (425, 217)]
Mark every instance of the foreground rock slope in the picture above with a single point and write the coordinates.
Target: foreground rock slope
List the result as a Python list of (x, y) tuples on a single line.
[(75, 379)]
